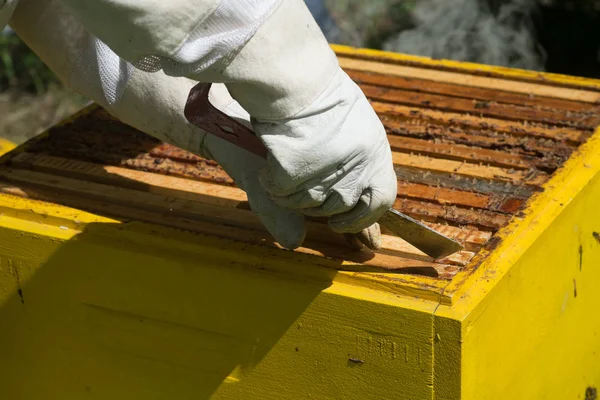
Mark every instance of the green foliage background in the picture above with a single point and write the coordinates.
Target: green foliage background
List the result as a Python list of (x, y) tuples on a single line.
[(31, 96), (21, 69)]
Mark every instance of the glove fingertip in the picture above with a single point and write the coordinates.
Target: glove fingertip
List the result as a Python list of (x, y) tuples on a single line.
[(291, 242), (371, 237), (290, 235), (353, 242), (288, 227)]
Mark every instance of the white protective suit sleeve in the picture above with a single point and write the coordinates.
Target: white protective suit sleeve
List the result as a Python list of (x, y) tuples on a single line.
[(328, 152), (153, 103)]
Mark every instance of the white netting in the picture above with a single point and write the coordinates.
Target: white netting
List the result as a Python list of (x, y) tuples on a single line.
[(101, 73), (114, 72), (215, 40)]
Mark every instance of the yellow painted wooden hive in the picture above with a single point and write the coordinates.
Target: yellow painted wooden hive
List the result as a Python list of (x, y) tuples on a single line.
[(130, 269)]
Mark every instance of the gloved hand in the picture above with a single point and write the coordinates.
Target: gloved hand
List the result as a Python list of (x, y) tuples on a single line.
[(329, 154), (331, 159)]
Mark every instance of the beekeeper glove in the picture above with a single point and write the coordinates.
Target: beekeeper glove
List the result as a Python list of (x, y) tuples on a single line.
[(328, 152), (152, 103)]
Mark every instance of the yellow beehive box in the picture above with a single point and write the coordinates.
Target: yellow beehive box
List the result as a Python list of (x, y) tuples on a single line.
[(130, 269)]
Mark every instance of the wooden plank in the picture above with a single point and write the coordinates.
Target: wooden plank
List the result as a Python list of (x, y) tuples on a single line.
[(544, 154), (587, 120), (458, 152), (452, 214), (423, 163), (443, 196), (206, 192), (461, 120), (585, 96), (506, 73), (467, 92), (200, 171), (457, 182)]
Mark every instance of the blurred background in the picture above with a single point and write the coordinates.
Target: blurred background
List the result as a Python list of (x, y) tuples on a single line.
[(561, 36)]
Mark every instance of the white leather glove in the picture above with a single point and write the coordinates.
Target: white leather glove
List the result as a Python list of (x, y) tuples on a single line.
[(331, 159), (329, 154), (153, 103)]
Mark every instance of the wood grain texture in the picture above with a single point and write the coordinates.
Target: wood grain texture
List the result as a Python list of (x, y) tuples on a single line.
[(146, 315), (537, 89)]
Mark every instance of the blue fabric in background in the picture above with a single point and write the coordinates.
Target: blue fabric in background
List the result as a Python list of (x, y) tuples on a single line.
[(323, 18)]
